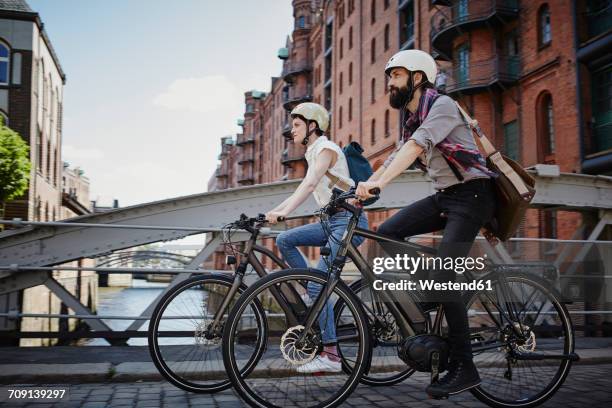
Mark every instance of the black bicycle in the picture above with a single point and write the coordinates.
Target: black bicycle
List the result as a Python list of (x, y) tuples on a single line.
[(521, 333), (186, 326)]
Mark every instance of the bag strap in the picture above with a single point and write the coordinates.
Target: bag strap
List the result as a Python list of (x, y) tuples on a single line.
[(337, 181), (495, 156), (487, 146)]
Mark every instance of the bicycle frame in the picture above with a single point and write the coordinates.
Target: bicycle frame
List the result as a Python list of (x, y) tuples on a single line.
[(405, 323), (249, 257)]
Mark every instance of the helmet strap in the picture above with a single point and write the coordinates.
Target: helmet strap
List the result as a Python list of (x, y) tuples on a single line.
[(308, 132)]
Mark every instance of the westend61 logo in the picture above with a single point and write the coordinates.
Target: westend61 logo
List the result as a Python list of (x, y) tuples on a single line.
[(422, 263)]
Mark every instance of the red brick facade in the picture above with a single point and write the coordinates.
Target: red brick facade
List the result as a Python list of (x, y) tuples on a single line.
[(513, 64)]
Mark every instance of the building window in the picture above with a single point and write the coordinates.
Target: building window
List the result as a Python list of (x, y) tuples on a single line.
[(386, 41), (373, 90), (350, 73), (373, 51), (328, 66), (39, 150), (386, 3), (406, 25), (341, 48), (340, 118), (387, 123), (328, 98), (4, 64), (373, 132), (328, 35), (350, 109), (601, 94), (341, 15), (17, 68), (350, 138), (511, 140), (548, 224), (544, 32), (49, 160), (301, 22), (386, 84), (462, 71), (351, 6), (350, 37), (373, 12), (550, 125), (341, 85), (545, 126)]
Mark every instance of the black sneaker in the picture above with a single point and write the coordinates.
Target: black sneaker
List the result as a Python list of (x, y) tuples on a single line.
[(461, 376)]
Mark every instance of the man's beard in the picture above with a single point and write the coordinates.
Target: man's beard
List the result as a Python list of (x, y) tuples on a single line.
[(399, 97)]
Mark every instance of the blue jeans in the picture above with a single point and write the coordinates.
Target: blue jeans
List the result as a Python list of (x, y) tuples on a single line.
[(314, 235)]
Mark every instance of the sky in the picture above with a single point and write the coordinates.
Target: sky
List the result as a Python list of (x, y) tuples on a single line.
[(151, 86)]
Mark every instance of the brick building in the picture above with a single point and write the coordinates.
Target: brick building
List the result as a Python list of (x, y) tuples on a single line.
[(31, 99), (537, 75)]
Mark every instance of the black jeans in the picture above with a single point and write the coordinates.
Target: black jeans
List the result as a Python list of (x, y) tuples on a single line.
[(460, 211)]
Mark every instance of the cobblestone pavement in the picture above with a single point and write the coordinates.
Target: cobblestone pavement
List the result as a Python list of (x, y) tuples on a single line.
[(586, 386)]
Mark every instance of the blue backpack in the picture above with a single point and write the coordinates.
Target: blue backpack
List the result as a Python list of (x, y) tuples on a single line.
[(359, 166)]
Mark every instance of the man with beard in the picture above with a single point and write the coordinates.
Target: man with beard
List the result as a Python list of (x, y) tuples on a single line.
[(435, 138)]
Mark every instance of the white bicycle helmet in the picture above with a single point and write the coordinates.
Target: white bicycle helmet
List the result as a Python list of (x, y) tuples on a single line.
[(414, 60)]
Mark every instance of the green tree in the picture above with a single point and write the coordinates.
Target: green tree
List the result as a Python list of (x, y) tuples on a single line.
[(14, 166)]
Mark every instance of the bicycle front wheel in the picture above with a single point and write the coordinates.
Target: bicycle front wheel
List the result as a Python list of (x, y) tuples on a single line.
[(278, 378), (183, 347), (522, 338)]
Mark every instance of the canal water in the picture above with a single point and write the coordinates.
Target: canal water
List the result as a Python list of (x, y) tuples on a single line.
[(130, 301)]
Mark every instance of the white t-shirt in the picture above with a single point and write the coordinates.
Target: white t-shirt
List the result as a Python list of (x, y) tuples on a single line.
[(323, 190)]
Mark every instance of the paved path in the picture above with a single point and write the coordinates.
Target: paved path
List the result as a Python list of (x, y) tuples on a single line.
[(586, 386)]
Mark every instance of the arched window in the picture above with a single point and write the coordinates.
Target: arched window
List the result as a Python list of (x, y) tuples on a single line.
[(373, 90), (350, 73), (341, 83), (387, 123), (544, 31), (4, 64), (350, 37), (545, 126), (373, 132), (373, 51), (386, 37), (301, 23), (350, 138), (386, 84), (350, 108), (340, 118), (341, 48), (373, 12)]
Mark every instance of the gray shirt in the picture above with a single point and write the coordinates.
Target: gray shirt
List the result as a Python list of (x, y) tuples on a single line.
[(444, 121)]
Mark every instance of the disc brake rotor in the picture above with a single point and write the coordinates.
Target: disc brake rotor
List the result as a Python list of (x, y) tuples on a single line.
[(291, 352)]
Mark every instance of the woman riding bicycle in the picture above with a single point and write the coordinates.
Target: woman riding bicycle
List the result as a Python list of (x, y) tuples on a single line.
[(435, 136), (309, 123)]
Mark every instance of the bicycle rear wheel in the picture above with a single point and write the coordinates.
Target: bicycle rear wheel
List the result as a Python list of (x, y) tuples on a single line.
[(386, 368), (524, 366), (276, 380)]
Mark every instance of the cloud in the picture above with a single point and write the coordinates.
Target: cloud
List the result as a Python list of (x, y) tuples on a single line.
[(207, 94), (73, 153)]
